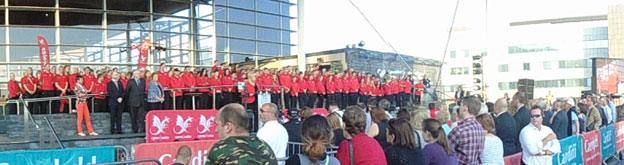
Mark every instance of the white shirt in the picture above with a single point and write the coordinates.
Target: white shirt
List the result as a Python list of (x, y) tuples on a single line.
[(531, 142), (492, 151), (607, 111), (276, 136)]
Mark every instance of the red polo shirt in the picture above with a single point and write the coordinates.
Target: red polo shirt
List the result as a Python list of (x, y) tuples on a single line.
[(320, 86), (294, 88), (47, 81), (202, 81), (90, 79), (124, 82), (164, 79), (250, 96), (229, 82), (62, 81), (14, 89), (28, 82), (101, 89), (177, 82), (72, 81), (419, 89), (213, 81), (189, 79)]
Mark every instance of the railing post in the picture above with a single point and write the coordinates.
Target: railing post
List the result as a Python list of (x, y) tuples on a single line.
[(92, 104), (174, 99), (283, 101), (214, 98), (70, 103), (18, 107)]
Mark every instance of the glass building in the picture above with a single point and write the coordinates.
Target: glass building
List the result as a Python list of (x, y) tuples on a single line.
[(101, 33)]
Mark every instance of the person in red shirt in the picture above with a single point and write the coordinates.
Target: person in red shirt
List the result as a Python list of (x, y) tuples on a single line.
[(320, 87), (30, 88), (61, 82), (71, 79), (177, 93), (354, 86), (249, 100), (189, 82), (330, 88), (285, 81), (205, 99), (14, 92), (215, 81), (124, 79), (100, 89), (165, 82), (47, 88), (294, 92), (229, 85), (420, 88), (341, 95)]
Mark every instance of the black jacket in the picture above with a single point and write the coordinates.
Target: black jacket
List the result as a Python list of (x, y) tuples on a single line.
[(523, 117), (135, 94), (506, 130), (114, 92)]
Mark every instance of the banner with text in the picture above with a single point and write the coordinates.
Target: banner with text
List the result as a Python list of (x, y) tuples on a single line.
[(592, 151), (619, 135), (181, 125), (61, 156), (608, 141), (571, 151), (44, 51), (166, 152)]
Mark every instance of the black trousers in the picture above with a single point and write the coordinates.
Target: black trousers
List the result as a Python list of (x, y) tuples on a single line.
[(205, 101), (137, 115), (179, 102), (12, 106), (287, 100), (236, 98), (115, 119), (293, 102), (253, 116), (168, 104), (352, 99), (404, 99), (188, 102), (47, 106), (417, 99), (154, 106), (100, 105), (31, 106), (227, 97), (303, 97), (343, 99), (320, 101)]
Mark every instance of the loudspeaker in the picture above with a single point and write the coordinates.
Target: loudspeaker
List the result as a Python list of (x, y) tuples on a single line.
[(526, 86)]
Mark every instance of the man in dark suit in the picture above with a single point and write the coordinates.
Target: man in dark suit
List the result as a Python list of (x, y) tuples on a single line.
[(459, 94), (115, 98), (505, 127), (135, 96), (522, 115)]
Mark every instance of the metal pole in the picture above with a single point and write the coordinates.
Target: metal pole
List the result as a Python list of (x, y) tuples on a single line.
[(18, 108), (174, 99), (283, 102), (193, 101), (214, 98), (301, 56), (70, 104)]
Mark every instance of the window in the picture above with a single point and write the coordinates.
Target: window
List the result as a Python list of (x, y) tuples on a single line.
[(526, 66), (466, 53), (460, 71), (547, 65), (503, 68), (574, 64), (453, 54)]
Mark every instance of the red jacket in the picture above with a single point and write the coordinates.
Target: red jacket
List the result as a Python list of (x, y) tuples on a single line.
[(331, 86), (250, 94), (294, 88), (407, 86), (14, 89), (202, 81), (62, 81), (100, 89), (164, 79), (354, 85), (124, 82), (339, 85), (72, 81), (320, 86), (177, 82), (90, 79), (28, 82), (230, 83), (215, 82), (285, 80), (419, 89), (47, 81), (366, 151), (188, 79)]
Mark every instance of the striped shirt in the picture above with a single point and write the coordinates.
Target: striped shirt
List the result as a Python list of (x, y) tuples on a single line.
[(468, 140)]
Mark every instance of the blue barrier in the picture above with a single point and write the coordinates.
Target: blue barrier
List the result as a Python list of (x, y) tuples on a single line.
[(70, 156), (571, 151), (608, 141)]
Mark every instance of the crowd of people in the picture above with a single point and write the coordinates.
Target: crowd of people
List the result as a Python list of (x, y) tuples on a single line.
[(463, 133), (139, 91)]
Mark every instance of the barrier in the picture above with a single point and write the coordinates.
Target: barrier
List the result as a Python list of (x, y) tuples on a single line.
[(571, 151), (165, 153), (592, 152), (181, 125), (619, 127), (608, 141), (515, 159), (61, 156)]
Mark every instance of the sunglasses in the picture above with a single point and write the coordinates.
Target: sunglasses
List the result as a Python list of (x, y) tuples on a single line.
[(536, 116)]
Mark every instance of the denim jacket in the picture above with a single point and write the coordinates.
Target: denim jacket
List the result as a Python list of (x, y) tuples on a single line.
[(155, 91)]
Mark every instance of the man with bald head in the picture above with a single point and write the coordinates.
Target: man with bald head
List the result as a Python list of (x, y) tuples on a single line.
[(506, 128), (236, 145)]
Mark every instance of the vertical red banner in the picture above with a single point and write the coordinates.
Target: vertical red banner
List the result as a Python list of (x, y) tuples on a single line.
[(44, 51), (144, 49), (592, 148)]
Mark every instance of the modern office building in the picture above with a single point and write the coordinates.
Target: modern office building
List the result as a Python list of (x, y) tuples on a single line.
[(101, 33)]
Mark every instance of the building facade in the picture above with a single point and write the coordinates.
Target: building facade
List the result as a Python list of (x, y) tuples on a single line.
[(100, 33)]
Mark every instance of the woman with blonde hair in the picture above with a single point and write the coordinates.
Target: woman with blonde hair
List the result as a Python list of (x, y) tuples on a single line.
[(416, 120)]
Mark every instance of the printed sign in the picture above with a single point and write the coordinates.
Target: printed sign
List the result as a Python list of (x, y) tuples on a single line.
[(181, 125), (44, 51), (263, 98), (60, 156), (592, 152), (571, 151), (166, 152), (608, 141), (619, 135)]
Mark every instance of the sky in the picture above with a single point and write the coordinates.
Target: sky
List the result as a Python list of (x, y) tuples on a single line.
[(420, 28)]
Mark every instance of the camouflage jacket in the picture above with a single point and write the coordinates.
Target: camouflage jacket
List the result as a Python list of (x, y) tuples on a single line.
[(241, 150)]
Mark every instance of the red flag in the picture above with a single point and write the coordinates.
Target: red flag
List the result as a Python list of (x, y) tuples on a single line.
[(44, 51), (143, 53)]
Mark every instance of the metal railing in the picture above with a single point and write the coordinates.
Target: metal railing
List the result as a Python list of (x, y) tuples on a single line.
[(25, 102), (133, 162), (58, 140), (216, 90)]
